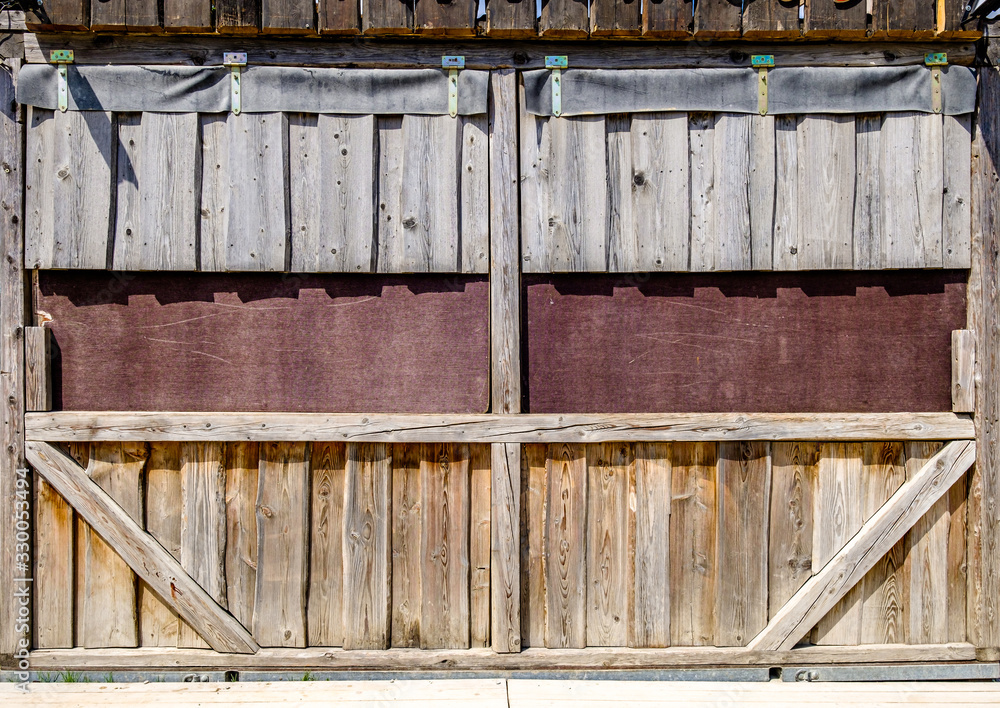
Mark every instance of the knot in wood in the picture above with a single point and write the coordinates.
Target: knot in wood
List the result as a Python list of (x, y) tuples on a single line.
[(409, 222), (266, 512)]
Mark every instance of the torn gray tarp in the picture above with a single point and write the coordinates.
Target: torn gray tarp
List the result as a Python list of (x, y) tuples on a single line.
[(791, 90), (265, 89)]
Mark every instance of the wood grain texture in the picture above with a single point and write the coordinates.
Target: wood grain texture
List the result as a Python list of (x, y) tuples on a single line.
[(287, 17), (535, 148), (388, 17), (158, 623), (339, 17), (237, 16), (325, 609), (565, 543), (868, 247), (649, 616), (732, 179), (963, 371), (107, 15), (367, 548), (701, 136), (615, 18), (717, 19), (55, 568), (785, 246), (510, 18), (505, 568), (762, 188), (242, 476), (693, 544), (847, 19), (283, 523), (769, 19), (563, 18), (60, 15), (904, 18), (451, 17), (957, 187), (37, 369), (534, 499), (407, 579), (794, 472), (196, 15), (663, 18), (480, 540)]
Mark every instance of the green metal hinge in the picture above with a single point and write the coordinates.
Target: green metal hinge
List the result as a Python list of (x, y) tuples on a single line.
[(935, 60), (556, 64), (762, 62), (62, 58), (235, 61), (453, 64)]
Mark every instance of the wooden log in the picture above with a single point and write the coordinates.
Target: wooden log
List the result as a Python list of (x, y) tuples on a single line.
[(203, 525), (388, 17), (88, 426), (563, 18), (193, 15), (158, 623), (505, 568), (510, 18), (566, 547), (37, 365), (717, 19), (238, 16), (142, 553), (794, 471), (533, 559), (771, 19), (615, 18), (283, 493), (325, 610), (406, 528), (668, 19), (447, 17), (55, 568), (367, 549), (287, 17), (649, 609), (59, 15), (242, 473), (339, 17), (876, 537), (827, 19), (963, 371)]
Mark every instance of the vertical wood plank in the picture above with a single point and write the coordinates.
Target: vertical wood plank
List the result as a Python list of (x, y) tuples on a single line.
[(510, 18), (479, 544), (444, 546), (158, 624), (563, 18), (904, 18), (430, 185), (827, 19), (770, 19), (794, 469), (534, 498), (55, 567), (367, 549), (194, 15), (661, 203), (236, 16), (826, 145), (474, 196), (331, 173), (339, 17), (732, 192), (283, 495), (407, 497), (868, 195), (505, 567), (577, 216), (287, 17), (649, 620), (963, 371), (81, 453), (535, 156), (59, 14), (610, 530), (455, 18), (703, 202), (325, 610), (391, 253), (693, 544), (623, 241), (717, 19), (213, 217), (762, 188), (68, 189), (837, 516), (107, 15), (157, 172), (108, 616), (387, 17), (203, 525), (744, 480), (957, 218), (615, 18), (37, 364), (242, 477), (786, 198), (666, 19), (565, 543)]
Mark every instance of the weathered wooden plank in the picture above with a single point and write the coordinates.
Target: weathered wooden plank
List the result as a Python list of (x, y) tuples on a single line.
[(55, 568), (391, 247), (158, 164), (213, 217), (141, 16), (510, 18), (762, 189), (868, 193), (91, 426), (610, 530), (68, 189), (659, 187), (703, 202), (37, 374), (367, 549), (794, 470), (956, 235), (242, 473), (158, 623), (534, 496), (733, 180), (875, 538), (535, 145), (428, 205), (447, 17), (196, 15), (911, 170), (444, 546), (331, 174), (563, 18), (885, 596), (339, 17), (623, 241), (388, 17), (717, 18), (837, 516), (827, 19), (80, 452), (615, 18), (283, 493), (949, 20), (826, 145), (239, 16), (406, 544), (693, 544), (786, 198), (109, 615), (505, 568), (744, 483), (480, 491), (474, 197), (666, 19), (904, 18), (107, 15), (963, 371), (287, 17), (325, 610), (203, 524), (59, 15), (566, 547), (649, 618), (142, 553), (768, 19)]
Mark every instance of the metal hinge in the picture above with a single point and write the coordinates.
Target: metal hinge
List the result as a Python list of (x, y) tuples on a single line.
[(935, 60), (235, 61), (556, 64), (453, 64), (762, 62), (62, 58)]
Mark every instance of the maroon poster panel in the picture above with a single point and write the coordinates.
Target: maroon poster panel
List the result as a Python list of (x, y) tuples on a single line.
[(739, 342), (261, 342)]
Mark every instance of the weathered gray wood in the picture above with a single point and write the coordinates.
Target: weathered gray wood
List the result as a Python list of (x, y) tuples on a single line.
[(214, 214), (963, 371), (283, 493), (535, 145), (68, 189), (55, 568), (325, 611), (89, 426), (242, 471), (505, 556), (331, 176), (649, 618), (37, 369), (534, 496), (406, 530), (862, 551), (391, 248), (794, 469), (203, 524), (157, 174), (786, 195), (868, 246), (474, 195), (143, 554), (367, 549), (623, 244), (704, 220), (762, 191), (566, 547), (158, 623), (732, 179), (957, 187), (480, 542)]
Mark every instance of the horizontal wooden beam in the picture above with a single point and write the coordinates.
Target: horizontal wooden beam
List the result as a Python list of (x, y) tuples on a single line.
[(328, 659), (479, 54), (859, 555), (90, 426), (147, 558)]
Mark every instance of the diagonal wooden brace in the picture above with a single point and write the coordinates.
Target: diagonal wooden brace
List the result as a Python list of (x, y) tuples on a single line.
[(147, 558), (859, 555)]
